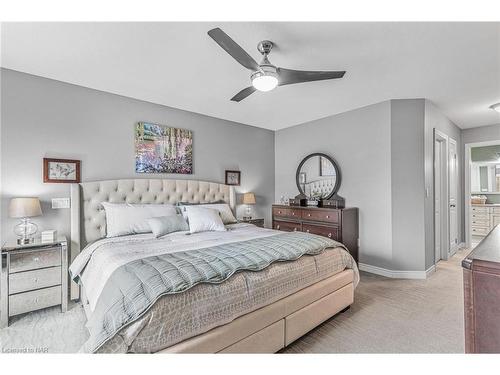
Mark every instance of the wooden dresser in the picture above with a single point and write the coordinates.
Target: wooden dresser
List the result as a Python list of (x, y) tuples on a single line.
[(482, 295), (338, 224)]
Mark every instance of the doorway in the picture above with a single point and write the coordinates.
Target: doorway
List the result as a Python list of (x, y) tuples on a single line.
[(445, 196)]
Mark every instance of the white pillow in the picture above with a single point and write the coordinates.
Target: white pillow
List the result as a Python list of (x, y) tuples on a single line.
[(203, 219), (224, 210), (126, 218)]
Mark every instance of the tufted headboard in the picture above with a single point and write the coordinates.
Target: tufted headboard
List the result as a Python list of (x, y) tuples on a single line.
[(320, 187), (88, 219)]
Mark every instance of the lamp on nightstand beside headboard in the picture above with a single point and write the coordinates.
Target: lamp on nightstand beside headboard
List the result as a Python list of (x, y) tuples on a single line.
[(249, 200), (24, 208)]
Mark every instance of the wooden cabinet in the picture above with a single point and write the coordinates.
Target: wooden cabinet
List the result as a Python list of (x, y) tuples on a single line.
[(482, 296), (338, 224)]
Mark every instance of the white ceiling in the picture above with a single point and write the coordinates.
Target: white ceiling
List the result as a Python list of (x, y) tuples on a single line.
[(456, 65)]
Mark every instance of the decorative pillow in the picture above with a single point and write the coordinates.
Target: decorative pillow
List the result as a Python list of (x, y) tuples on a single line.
[(126, 218), (224, 210), (163, 225), (203, 219)]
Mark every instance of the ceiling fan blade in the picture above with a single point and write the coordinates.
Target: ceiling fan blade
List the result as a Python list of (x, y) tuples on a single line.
[(289, 76), (233, 48), (243, 94)]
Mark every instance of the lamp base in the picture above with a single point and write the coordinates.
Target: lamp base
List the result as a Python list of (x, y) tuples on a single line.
[(25, 241)]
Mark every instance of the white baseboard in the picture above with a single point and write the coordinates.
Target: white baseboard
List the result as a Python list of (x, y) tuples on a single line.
[(394, 274)]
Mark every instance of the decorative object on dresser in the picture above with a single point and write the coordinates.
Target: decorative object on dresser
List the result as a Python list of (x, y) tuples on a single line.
[(233, 178), (481, 275), (33, 277), (49, 235), (318, 180), (338, 224), (163, 149), (257, 222), (61, 170), (248, 200), (24, 208), (484, 217)]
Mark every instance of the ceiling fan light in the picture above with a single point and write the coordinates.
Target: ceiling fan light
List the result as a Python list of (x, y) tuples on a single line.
[(265, 83)]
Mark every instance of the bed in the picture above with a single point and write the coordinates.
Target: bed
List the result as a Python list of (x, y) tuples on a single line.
[(268, 288)]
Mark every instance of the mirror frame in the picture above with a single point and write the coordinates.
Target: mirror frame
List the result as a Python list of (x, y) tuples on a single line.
[(335, 166)]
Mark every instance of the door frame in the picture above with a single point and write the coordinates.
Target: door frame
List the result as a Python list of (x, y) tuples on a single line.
[(445, 212), (453, 248), (467, 187)]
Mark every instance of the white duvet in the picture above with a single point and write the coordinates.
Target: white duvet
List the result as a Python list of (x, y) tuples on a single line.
[(95, 264)]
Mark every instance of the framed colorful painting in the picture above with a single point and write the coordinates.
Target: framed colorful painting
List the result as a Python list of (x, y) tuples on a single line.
[(163, 149)]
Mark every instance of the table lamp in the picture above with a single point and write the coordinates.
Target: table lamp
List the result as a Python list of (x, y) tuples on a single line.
[(24, 209), (248, 199)]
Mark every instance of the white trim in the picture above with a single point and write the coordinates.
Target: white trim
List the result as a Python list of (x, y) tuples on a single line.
[(395, 274)]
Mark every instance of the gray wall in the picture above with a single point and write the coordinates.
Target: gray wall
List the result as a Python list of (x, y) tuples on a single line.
[(46, 118), (434, 119), (408, 192), (360, 142), (481, 134)]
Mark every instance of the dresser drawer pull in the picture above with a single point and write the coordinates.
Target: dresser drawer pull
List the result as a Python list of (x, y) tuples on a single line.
[(329, 235), (36, 259), (277, 227), (279, 212), (309, 215), (327, 216), (295, 229), (307, 230), (293, 213)]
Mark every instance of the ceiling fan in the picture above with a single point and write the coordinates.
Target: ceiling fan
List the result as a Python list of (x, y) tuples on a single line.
[(265, 76)]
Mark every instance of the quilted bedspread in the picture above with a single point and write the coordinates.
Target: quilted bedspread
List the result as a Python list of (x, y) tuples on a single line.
[(133, 288)]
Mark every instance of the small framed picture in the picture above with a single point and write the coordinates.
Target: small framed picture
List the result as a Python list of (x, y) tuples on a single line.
[(61, 170), (233, 178)]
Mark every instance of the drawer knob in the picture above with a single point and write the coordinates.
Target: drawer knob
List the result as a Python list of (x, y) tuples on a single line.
[(309, 215), (36, 259), (307, 231), (279, 212), (295, 229), (277, 227), (36, 300), (329, 235), (35, 280), (327, 216), (293, 213)]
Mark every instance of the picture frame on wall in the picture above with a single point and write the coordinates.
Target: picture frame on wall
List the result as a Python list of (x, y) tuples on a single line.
[(233, 178), (61, 170)]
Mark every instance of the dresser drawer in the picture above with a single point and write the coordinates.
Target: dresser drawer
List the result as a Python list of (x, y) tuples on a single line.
[(329, 216), (479, 216), (322, 230), (38, 259), (480, 221), (35, 300), (287, 226), (495, 210), (31, 280), (480, 210), (480, 231), (287, 212)]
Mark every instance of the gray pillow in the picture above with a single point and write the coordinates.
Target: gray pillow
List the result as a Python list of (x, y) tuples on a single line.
[(163, 225)]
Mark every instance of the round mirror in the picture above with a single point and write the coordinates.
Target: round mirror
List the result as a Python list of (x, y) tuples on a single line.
[(318, 176)]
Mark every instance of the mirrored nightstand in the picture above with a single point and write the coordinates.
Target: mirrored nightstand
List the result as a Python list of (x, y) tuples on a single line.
[(33, 276)]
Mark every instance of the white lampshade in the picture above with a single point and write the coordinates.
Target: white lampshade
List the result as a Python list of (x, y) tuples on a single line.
[(24, 207), (249, 198)]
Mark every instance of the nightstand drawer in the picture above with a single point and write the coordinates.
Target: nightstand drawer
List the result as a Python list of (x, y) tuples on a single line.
[(31, 280), (38, 259), (35, 300)]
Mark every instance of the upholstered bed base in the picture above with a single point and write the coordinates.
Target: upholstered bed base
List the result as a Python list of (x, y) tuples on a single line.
[(271, 328)]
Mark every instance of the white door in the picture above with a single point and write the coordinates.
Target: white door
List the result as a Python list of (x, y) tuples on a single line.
[(453, 194), (437, 200)]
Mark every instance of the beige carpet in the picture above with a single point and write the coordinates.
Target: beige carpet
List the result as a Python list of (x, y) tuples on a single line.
[(388, 316)]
